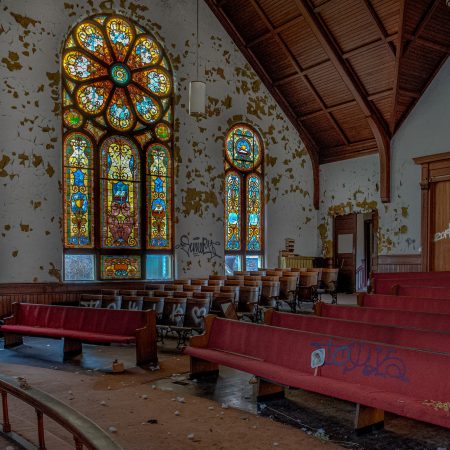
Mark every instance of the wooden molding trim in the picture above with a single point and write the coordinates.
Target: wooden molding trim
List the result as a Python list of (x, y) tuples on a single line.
[(399, 263)]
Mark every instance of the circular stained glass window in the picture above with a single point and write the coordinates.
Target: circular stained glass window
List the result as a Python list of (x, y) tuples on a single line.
[(243, 147), (120, 74), (72, 118), (162, 132)]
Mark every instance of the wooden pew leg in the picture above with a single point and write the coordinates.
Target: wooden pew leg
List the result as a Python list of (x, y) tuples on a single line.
[(146, 353), (368, 419), (13, 340), (72, 348), (267, 390), (201, 368)]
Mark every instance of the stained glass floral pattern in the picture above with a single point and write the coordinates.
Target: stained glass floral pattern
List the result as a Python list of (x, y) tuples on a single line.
[(159, 198), (243, 148), (106, 57), (117, 115), (233, 211), (244, 196), (120, 267), (78, 168), (253, 213), (120, 193)]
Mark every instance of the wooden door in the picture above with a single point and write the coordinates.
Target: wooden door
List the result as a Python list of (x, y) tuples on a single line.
[(345, 251), (440, 226)]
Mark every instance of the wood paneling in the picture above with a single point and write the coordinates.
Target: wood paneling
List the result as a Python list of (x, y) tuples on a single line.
[(398, 263)]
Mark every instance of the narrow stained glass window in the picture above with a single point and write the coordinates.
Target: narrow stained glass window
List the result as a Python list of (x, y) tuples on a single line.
[(244, 197), (159, 186), (78, 195), (117, 113), (233, 211)]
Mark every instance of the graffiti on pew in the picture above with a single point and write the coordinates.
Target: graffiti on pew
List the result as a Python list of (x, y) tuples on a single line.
[(442, 234), (370, 359), (198, 246)]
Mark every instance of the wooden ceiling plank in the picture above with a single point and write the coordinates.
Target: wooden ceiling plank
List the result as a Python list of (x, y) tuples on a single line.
[(426, 43), (375, 120), (422, 24), (398, 58), (299, 69), (308, 142), (380, 26)]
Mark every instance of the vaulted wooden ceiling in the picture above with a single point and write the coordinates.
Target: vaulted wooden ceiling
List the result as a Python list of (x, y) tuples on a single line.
[(346, 72)]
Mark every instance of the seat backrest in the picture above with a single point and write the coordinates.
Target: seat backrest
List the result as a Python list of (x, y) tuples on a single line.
[(418, 304), (107, 321)]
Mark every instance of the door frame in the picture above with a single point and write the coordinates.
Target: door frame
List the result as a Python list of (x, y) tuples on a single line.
[(435, 168)]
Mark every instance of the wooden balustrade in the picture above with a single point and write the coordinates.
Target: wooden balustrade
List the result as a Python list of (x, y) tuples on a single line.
[(85, 432)]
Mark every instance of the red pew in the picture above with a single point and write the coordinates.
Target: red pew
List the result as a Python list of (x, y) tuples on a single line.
[(403, 303), (406, 337), (77, 325), (376, 376)]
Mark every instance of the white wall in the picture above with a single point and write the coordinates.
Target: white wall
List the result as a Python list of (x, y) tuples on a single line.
[(352, 185), (31, 36)]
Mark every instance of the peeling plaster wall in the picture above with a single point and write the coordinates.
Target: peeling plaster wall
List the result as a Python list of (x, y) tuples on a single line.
[(352, 186), (31, 36)]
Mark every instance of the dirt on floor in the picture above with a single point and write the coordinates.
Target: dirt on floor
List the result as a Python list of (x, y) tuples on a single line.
[(144, 416)]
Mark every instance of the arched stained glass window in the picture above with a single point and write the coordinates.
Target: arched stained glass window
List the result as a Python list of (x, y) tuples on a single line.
[(244, 199), (117, 87)]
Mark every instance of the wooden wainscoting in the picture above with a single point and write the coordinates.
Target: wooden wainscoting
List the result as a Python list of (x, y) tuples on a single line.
[(55, 293), (398, 263)]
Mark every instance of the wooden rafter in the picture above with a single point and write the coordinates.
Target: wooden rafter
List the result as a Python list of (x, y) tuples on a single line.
[(308, 142), (377, 125), (300, 71), (422, 24), (398, 58), (380, 27)]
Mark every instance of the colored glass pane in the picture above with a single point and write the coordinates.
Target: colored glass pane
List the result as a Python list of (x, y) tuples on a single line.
[(159, 197), (72, 118), (147, 108), (243, 148), (162, 131), (155, 80), (95, 131), (119, 113), (120, 267), (78, 191), (80, 67), (232, 211), (158, 267), (90, 37), (120, 34), (67, 99), (120, 193), (92, 97), (146, 52), (254, 197), (79, 267), (144, 138), (120, 74), (70, 42)]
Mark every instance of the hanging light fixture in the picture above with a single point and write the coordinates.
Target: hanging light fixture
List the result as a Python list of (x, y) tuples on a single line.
[(197, 89)]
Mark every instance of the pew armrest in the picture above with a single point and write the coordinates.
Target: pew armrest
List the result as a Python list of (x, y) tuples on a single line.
[(202, 340)]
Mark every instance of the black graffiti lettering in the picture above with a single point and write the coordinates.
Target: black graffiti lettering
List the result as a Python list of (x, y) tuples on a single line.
[(198, 246)]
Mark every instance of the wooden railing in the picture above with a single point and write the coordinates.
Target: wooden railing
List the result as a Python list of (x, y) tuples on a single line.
[(296, 262), (361, 276), (84, 431)]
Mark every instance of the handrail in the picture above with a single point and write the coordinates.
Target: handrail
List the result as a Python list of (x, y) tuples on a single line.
[(84, 431), (361, 276)]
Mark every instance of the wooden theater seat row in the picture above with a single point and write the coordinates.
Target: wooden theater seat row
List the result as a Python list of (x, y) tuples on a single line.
[(77, 325), (387, 334), (404, 303), (378, 377)]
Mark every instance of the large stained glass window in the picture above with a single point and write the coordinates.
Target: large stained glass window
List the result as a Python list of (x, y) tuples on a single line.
[(244, 199), (117, 112)]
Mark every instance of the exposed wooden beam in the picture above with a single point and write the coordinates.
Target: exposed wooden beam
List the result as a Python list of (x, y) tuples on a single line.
[(299, 69), (422, 23), (376, 122), (380, 26), (354, 150), (309, 143), (426, 43)]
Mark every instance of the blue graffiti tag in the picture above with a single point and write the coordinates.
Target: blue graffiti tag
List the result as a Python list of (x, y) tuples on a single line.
[(371, 359)]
